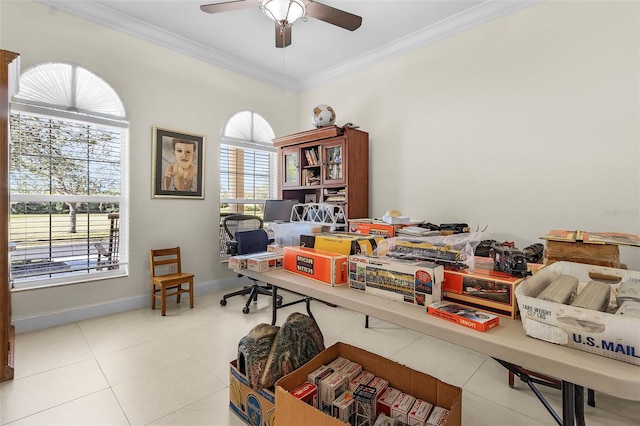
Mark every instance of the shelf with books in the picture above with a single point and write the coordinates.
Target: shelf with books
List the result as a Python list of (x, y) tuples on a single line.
[(332, 167), (312, 156)]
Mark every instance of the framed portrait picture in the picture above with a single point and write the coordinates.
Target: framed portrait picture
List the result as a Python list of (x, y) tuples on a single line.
[(178, 164)]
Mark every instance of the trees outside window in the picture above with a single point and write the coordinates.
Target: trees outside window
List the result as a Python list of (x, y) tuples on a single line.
[(67, 157)]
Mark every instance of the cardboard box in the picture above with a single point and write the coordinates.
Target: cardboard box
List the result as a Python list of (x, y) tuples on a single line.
[(308, 393), (484, 288), (329, 268), (419, 413), (401, 407), (346, 243), (386, 400), (468, 317), (601, 333), (412, 281), (361, 379), (239, 262), (343, 407), (594, 248), (292, 411), (374, 227), (265, 262), (254, 407)]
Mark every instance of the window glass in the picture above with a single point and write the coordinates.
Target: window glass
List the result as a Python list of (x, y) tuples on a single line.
[(248, 166), (68, 193)]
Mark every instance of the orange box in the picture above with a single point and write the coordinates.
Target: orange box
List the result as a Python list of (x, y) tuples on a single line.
[(484, 288), (374, 227), (329, 268), (463, 315)]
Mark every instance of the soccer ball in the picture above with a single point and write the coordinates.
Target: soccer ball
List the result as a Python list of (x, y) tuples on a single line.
[(323, 115)]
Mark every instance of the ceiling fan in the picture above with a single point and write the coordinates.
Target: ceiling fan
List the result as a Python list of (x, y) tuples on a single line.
[(286, 12)]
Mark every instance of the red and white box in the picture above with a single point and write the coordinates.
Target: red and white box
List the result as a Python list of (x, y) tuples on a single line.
[(239, 262), (361, 379), (343, 407), (338, 363), (386, 400), (265, 262), (419, 413), (469, 317), (352, 370), (438, 416), (379, 384), (401, 406), (307, 392), (331, 387), (317, 375)]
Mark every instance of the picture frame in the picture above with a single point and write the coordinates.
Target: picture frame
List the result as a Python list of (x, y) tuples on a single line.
[(177, 164)]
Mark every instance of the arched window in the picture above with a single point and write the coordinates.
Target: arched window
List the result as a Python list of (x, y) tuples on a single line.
[(248, 165), (67, 178)]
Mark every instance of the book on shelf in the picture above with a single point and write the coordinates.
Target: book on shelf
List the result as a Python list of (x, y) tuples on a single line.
[(308, 156)]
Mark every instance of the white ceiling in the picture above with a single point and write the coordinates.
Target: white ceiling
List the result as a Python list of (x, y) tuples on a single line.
[(243, 40)]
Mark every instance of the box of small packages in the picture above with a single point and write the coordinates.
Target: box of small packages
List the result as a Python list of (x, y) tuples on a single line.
[(606, 333), (411, 281), (292, 411), (329, 268)]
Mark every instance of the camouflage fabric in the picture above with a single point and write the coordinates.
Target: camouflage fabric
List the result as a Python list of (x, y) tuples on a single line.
[(270, 352), (298, 340), (253, 351)]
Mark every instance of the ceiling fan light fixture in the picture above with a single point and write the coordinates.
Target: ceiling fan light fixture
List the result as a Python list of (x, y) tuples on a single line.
[(287, 11)]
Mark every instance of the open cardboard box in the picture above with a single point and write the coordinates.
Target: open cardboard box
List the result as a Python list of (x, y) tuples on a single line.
[(606, 334), (292, 411), (254, 407)]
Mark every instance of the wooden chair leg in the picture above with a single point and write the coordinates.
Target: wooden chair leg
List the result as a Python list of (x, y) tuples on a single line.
[(153, 296), (178, 289), (191, 293), (163, 300)]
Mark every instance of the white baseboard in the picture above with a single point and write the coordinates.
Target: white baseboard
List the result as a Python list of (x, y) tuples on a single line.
[(79, 313)]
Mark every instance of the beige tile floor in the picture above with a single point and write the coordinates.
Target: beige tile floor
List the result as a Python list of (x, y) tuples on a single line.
[(139, 368)]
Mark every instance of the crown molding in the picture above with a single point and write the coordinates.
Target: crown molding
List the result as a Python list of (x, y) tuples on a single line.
[(474, 17), (479, 15)]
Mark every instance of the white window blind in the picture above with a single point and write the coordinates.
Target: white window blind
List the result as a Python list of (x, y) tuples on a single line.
[(248, 166), (67, 178)]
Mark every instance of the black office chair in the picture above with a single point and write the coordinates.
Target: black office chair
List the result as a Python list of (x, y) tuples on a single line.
[(247, 235)]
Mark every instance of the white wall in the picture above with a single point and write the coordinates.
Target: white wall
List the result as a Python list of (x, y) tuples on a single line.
[(526, 124), (158, 87)]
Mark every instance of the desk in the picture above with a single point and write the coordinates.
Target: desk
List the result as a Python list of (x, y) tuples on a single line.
[(506, 342)]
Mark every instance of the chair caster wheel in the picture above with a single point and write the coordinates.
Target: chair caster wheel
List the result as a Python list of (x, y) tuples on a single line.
[(223, 302), (245, 310), (278, 303)]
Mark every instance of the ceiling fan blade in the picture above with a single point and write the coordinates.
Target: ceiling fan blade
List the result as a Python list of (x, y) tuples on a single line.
[(333, 16), (227, 6), (283, 35)]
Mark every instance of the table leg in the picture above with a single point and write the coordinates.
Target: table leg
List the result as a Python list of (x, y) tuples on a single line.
[(274, 304), (568, 403), (579, 405)]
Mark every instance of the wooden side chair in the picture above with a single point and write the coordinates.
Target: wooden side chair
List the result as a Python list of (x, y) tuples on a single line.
[(167, 278)]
